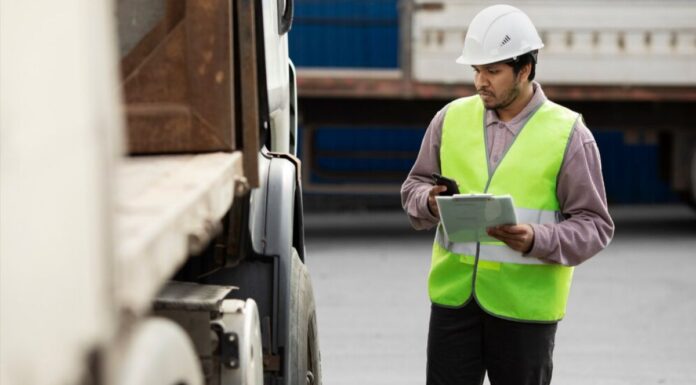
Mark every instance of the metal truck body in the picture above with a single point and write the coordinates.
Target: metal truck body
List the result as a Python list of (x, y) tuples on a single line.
[(122, 269)]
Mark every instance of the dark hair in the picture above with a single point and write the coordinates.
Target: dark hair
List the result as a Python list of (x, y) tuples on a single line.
[(528, 58)]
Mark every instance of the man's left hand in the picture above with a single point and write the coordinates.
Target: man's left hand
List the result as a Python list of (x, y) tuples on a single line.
[(517, 237)]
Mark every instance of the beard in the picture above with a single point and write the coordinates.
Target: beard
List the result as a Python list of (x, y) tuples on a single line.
[(507, 98)]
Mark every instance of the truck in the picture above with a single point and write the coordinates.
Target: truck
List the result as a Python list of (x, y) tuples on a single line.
[(629, 69), (151, 217)]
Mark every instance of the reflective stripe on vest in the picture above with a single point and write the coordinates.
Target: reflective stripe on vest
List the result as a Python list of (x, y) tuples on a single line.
[(504, 282)]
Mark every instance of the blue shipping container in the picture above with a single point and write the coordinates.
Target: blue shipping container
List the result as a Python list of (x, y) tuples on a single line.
[(386, 155), (345, 33)]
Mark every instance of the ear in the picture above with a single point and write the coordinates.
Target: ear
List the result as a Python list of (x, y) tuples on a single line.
[(525, 72)]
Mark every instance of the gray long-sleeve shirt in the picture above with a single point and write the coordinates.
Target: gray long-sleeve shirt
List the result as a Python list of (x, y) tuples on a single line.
[(588, 228)]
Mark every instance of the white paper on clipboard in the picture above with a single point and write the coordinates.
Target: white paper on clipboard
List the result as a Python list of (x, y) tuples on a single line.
[(466, 217)]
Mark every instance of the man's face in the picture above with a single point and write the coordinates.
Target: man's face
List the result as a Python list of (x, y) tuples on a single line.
[(497, 84)]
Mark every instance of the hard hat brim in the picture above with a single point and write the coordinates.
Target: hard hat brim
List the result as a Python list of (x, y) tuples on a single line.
[(476, 62)]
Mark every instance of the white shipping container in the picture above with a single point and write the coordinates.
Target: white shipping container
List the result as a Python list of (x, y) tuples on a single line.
[(587, 42)]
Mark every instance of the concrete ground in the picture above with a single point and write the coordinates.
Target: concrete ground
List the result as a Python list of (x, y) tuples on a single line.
[(631, 317)]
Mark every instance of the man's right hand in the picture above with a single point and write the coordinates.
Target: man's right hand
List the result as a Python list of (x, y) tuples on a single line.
[(432, 204)]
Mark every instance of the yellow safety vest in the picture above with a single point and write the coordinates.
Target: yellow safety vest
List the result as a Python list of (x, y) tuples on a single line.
[(503, 282)]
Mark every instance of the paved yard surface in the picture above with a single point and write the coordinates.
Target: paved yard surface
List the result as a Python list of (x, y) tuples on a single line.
[(631, 317)]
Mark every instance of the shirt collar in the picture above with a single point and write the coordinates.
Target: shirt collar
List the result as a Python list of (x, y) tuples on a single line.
[(513, 125)]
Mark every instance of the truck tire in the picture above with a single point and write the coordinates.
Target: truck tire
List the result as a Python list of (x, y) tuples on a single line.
[(305, 363)]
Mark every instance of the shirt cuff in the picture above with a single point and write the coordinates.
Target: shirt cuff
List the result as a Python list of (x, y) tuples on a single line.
[(542, 236), (427, 214)]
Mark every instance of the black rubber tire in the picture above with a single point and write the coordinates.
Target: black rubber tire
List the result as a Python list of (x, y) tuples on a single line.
[(305, 361)]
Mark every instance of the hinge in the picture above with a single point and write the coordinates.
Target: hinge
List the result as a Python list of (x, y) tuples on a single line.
[(229, 350)]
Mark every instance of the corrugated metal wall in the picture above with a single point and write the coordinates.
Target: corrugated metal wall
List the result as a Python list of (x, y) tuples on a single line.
[(348, 155), (345, 33), (631, 171), (380, 155)]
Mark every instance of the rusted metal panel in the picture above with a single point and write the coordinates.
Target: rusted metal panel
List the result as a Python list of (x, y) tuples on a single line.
[(135, 19), (141, 48), (178, 81), (171, 126), (391, 85), (161, 77), (209, 63), (352, 83), (248, 66)]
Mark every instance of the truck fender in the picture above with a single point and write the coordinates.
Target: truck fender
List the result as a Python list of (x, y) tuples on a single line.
[(275, 225), (272, 206)]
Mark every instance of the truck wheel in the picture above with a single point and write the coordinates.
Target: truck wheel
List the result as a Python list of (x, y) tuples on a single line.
[(242, 318), (304, 366)]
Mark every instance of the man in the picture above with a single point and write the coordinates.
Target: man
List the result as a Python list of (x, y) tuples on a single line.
[(495, 306)]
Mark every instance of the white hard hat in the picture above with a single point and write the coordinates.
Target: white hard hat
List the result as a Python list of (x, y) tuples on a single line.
[(498, 33)]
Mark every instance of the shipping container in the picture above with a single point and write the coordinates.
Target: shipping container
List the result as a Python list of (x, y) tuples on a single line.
[(346, 155), (345, 33), (632, 72)]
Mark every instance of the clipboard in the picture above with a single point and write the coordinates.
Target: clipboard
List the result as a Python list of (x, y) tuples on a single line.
[(465, 217)]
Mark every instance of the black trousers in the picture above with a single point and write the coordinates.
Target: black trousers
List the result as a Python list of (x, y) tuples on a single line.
[(465, 343)]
